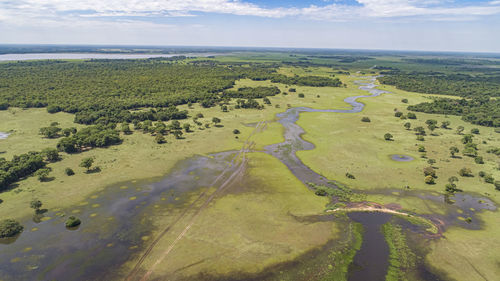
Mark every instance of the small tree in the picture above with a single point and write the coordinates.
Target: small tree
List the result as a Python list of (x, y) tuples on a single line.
[(445, 124), (474, 131), (87, 163), (489, 179), (420, 138), (236, 131), (10, 228), (460, 129), (404, 100), (411, 115), (431, 162), (429, 171), (465, 172), (421, 148), (160, 139), (51, 154), (69, 171), (407, 125), (388, 137), (398, 114), (365, 119), (453, 150), (186, 127), (42, 174), (216, 120), (467, 139), (452, 179), (126, 129), (36, 205), (497, 185), (429, 180), (419, 130), (479, 160), (73, 222), (177, 134)]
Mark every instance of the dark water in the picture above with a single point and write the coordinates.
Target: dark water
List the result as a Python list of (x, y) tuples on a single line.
[(371, 261)]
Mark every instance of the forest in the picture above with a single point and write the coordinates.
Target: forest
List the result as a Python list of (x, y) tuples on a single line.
[(480, 104)]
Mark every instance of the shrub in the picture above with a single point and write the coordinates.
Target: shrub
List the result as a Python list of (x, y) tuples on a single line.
[(69, 171), (429, 171), (497, 185), (349, 175), (236, 131), (301, 95), (489, 179), (292, 90), (388, 136), (160, 139), (9, 228), (398, 114), (73, 221), (465, 172), (482, 174), (420, 138), (365, 119), (421, 148), (474, 131), (479, 160), (404, 100), (411, 115), (429, 180)]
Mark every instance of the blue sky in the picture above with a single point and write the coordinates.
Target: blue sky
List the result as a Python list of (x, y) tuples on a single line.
[(435, 25)]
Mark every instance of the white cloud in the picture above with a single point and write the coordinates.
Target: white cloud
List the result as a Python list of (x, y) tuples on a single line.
[(22, 12)]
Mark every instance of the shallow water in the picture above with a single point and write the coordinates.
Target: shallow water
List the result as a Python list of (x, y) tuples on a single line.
[(401, 158), (3, 135)]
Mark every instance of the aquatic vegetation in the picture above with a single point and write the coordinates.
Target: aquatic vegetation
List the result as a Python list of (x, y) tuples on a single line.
[(401, 258)]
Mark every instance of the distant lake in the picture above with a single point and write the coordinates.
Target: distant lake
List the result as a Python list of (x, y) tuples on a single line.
[(76, 56)]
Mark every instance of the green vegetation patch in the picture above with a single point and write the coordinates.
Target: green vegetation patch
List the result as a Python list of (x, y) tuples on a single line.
[(401, 258)]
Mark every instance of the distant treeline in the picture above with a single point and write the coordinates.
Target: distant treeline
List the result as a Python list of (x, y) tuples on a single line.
[(252, 93), (19, 167)]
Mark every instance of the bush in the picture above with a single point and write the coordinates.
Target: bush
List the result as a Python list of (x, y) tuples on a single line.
[(489, 179), (365, 119), (301, 95), (465, 172), (429, 180), (69, 171), (73, 222), (479, 160), (404, 100), (388, 137), (429, 171), (475, 131), (9, 228), (398, 114), (160, 139), (411, 115), (349, 175), (421, 148), (236, 131), (497, 185), (420, 138), (482, 174)]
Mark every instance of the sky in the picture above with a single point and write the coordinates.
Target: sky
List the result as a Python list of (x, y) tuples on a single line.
[(429, 25)]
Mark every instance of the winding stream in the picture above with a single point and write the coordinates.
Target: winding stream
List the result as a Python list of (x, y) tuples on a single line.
[(116, 219)]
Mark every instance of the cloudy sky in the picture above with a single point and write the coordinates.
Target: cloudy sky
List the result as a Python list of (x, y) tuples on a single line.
[(439, 25)]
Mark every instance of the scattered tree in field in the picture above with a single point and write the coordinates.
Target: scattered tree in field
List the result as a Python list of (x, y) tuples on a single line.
[(51, 154), (403, 117), (431, 162), (42, 174), (465, 172), (429, 180), (454, 150), (266, 100), (431, 122), (365, 119), (199, 115), (460, 129), (474, 131), (66, 132), (398, 114), (411, 115), (349, 175), (497, 185), (467, 139), (177, 134), (73, 222), (420, 138), (223, 108), (452, 179), (432, 127), (186, 127), (388, 137), (407, 125), (87, 163), (50, 132), (429, 171), (482, 174), (301, 95), (489, 179), (404, 100), (10, 228), (421, 148), (479, 160), (445, 124), (470, 151), (216, 120), (452, 188), (419, 130), (159, 139), (236, 131), (69, 171), (292, 90), (36, 204)]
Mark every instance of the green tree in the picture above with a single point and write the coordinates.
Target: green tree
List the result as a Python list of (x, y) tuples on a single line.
[(236, 131), (404, 100), (429, 180), (445, 124), (479, 160), (429, 171), (186, 127), (73, 222), (398, 114), (388, 137), (465, 172), (69, 171), (177, 134), (467, 139), (216, 120), (453, 150), (10, 228), (160, 139), (365, 119), (407, 125), (126, 129), (51, 154), (42, 174), (474, 131), (36, 205), (460, 129), (411, 115), (87, 163), (431, 162)]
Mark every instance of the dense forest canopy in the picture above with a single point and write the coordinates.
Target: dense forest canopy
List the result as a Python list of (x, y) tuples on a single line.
[(103, 91)]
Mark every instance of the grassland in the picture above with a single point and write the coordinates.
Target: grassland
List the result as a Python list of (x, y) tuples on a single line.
[(256, 224)]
